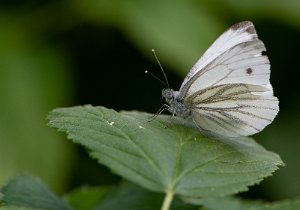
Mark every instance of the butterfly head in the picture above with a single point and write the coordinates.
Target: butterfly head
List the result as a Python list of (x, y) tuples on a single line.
[(171, 96), (168, 95)]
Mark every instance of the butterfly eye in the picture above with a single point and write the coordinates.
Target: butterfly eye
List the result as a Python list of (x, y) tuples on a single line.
[(166, 93)]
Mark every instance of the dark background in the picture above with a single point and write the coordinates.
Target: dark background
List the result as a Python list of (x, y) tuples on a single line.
[(67, 53)]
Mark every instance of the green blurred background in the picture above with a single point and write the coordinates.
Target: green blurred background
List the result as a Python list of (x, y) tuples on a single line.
[(58, 53)]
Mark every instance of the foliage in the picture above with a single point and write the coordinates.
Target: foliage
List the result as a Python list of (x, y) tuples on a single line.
[(28, 192), (42, 42), (163, 155), (126, 197)]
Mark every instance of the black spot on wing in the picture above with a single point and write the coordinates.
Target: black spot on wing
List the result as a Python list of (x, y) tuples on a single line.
[(249, 71)]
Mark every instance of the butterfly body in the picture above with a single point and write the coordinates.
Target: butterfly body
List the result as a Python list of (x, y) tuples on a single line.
[(176, 104), (228, 92)]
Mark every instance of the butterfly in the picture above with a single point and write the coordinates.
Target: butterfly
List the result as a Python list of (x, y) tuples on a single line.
[(228, 91)]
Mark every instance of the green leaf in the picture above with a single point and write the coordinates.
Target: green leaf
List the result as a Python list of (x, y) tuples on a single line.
[(26, 191), (166, 154), (129, 196), (85, 197), (15, 208), (234, 203)]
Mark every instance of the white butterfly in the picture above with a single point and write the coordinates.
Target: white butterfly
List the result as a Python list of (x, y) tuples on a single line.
[(228, 92)]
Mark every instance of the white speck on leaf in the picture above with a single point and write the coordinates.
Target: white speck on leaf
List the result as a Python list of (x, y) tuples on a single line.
[(111, 123), (141, 127)]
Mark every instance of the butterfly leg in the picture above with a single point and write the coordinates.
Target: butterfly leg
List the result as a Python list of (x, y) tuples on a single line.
[(161, 109)]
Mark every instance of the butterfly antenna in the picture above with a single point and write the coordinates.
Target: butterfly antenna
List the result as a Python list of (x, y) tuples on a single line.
[(152, 75), (162, 69)]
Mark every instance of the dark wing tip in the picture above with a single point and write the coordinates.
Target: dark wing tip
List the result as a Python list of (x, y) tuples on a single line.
[(245, 26)]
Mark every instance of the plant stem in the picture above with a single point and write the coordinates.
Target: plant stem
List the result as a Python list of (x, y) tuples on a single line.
[(167, 201)]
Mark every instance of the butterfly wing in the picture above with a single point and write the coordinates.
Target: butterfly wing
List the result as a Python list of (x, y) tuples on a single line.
[(232, 110), (235, 57), (228, 89)]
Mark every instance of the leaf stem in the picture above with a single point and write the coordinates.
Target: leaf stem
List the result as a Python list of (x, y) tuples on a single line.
[(167, 201)]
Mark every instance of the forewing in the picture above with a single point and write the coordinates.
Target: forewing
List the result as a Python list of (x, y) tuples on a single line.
[(232, 110), (235, 57)]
